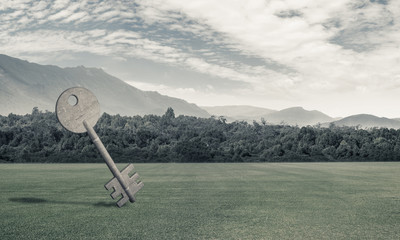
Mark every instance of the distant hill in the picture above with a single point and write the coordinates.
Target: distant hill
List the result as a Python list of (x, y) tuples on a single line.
[(25, 85), (239, 112), (367, 121), (291, 116), (298, 116)]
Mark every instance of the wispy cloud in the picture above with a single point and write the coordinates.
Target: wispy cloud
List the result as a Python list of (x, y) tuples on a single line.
[(296, 49), (302, 41)]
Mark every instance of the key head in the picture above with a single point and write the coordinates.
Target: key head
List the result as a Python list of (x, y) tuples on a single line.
[(76, 105)]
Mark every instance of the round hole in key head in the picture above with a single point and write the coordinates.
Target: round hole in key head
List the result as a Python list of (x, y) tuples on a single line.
[(72, 100)]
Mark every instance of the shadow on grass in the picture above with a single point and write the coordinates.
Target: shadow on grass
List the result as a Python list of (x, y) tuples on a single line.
[(44, 201)]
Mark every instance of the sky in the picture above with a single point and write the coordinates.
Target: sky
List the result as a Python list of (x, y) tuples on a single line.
[(340, 57)]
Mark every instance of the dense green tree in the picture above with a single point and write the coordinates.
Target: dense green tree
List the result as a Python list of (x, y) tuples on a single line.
[(38, 137)]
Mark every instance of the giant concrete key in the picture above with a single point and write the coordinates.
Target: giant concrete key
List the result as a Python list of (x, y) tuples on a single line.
[(78, 111)]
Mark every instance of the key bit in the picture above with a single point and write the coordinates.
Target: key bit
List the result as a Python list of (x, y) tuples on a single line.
[(80, 115), (133, 186)]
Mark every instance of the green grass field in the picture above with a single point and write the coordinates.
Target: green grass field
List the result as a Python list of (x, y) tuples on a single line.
[(204, 201)]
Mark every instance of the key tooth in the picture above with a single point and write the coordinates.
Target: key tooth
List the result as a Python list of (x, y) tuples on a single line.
[(134, 177), (113, 183), (135, 187), (110, 183), (123, 200), (118, 191), (125, 172), (139, 185), (127, 169)]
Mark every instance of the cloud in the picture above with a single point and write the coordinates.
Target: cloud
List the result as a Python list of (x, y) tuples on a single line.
[(360, 47), (122, 42), (301, 43), (289, 13), (59, 4), (65, 12), (287, 49), (205, 97)]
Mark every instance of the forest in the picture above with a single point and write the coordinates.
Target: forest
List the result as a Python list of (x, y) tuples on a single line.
[(39, 137)]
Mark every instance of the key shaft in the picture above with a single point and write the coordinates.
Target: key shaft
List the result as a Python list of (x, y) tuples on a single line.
[(107, 158)]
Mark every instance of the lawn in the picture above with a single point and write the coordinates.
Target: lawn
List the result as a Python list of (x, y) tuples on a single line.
[(204, 201)]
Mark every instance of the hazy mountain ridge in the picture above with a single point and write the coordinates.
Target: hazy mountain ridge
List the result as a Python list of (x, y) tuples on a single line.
[(25, 85), (367, 121), (301, 117), (291, 116), (298, 116)]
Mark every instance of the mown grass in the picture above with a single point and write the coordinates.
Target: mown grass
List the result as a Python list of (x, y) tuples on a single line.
[(204, 201)]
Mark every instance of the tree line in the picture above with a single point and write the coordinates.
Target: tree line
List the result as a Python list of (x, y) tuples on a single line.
[(38, 137)]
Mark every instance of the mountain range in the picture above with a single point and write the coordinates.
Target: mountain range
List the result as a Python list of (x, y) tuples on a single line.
[(25, 85), (291, 116), (367, 121), (300, 117)]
